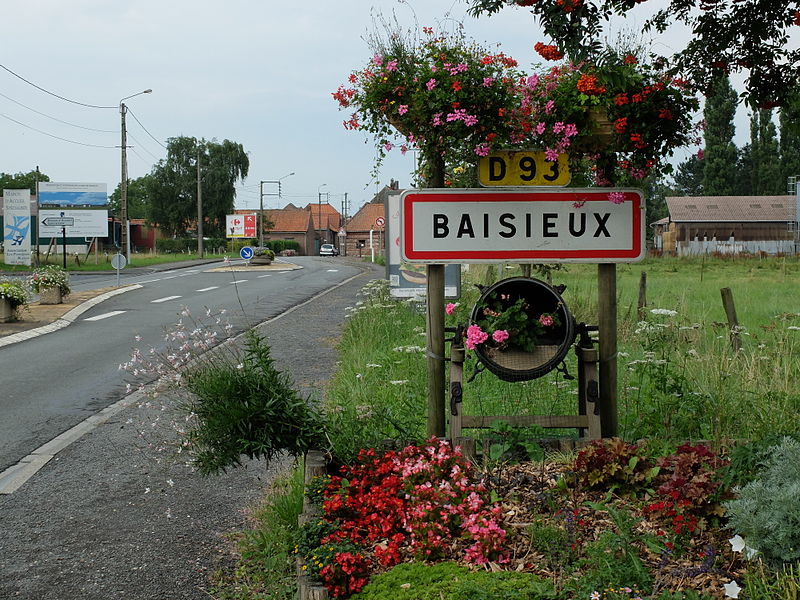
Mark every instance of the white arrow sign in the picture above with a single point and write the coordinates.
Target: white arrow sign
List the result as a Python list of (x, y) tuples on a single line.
[(58, 221)]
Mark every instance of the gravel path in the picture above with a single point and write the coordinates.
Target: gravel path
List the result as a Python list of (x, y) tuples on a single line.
[(106, 520)]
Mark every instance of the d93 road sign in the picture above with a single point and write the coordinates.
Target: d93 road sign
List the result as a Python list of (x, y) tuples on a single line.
[(514, 168)]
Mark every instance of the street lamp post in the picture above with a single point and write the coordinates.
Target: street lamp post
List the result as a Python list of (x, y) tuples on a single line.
[(261, 205), (319, 212), (125, 244)]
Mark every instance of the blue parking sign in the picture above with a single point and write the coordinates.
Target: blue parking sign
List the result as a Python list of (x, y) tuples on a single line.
[(246, 253)]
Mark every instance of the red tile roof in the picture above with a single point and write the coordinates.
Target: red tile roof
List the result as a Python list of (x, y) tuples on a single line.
[(325, 211), (732, 208), (364, 219), (288, 220)]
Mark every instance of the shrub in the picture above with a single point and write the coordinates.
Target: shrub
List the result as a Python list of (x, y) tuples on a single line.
[(449, 581), (606, 463), (766, 512), (249, 408), (50, 276)]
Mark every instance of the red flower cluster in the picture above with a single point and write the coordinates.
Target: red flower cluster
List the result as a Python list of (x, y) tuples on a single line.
[(548, 51), (421, 502), (569, 5), (588, 84)]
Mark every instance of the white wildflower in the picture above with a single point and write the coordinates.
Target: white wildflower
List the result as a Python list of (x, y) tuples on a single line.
[(399, 382), (732, 589), (664, 311)]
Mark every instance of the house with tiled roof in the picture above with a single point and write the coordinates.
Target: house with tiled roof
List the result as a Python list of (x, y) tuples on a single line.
[(729, 225), (290, 224), (326, 221), (362, 227)]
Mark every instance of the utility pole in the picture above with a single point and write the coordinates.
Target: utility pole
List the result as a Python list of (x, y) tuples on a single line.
[(261, 215), (123, 187), (199, 208)]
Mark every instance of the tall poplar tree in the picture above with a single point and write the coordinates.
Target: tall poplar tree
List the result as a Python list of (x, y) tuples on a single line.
[(789, 142), (719, 162), (765, 155)]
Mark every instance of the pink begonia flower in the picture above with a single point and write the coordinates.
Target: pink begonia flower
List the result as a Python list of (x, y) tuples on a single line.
[(450, 308), (475, 336), (431, 84), (548, 108), (558, 127), (402, 109), (551, 155), (437, 119), (570, 130), (377, 60), (546, 320), (470, 120), (533, 80), (388, 146), (616, 197), (482, 149), (500, 336), (391, 65), (487, 81), (540, 127)]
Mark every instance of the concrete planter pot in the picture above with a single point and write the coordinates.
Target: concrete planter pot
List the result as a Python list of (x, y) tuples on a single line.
[(7, 313), (50, 295), (261, 260)]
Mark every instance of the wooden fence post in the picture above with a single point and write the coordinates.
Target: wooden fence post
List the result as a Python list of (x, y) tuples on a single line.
[(435, 326), (642, 296), (607, 325), (733, 321)]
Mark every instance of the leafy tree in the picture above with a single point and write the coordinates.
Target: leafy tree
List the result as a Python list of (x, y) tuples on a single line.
[(138, 199), (172, 185), (748, 36), (789, 142), (744, 167), (688, 177), (719, 160), (765, 154), (19, 181)]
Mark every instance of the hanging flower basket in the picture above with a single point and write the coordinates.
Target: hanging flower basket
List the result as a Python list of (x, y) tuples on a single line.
[(520, 329)]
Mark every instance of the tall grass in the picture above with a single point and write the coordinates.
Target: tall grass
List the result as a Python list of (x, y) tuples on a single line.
[(679, 376)]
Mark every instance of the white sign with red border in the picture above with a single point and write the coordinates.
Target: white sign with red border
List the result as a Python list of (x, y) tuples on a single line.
[(380, 222), (567, 225)]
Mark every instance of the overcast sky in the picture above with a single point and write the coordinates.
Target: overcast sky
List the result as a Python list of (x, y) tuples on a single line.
[(259, 73)]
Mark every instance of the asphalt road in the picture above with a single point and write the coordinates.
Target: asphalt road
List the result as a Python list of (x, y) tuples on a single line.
[(112, 516)]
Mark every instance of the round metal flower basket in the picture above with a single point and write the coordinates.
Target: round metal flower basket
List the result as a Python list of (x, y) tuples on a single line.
[(514, 364)]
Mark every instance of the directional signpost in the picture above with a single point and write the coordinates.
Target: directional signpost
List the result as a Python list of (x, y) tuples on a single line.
[(58, 221), (246, 253)]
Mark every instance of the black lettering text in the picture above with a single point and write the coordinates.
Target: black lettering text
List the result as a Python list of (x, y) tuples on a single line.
[(527, 225), (601, 224), (440, 228), (506, 221), (528, 167), (485, 225), (465, 227), (497, 168), (572, 229), (549, 223)]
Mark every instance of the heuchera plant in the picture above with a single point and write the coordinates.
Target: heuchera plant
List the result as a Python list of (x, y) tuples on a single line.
[(422, 502)]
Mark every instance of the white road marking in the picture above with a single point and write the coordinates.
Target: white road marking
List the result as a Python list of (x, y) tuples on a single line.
[(171, 277), (333, 270), (239, 281), (165, 299), (113, 313), (208, 289), (150, 280), (267, 275)]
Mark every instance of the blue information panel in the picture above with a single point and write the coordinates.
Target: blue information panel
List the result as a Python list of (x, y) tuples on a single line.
[(246, 253)]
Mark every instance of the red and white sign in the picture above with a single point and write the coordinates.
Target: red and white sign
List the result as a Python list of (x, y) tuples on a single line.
[(380, 222), (241, 226), (522, 225)]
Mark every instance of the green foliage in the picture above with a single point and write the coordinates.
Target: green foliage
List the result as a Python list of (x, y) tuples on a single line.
[(249, 408), (745, 459), (766, 512), (515, 444), (172, 184), (765, 155), (278, 246), (187, 244), (266, 569), (138, 199), (21, 181), (308, 538), (613, 463), (761, 583), (719, 162), (449, 581)]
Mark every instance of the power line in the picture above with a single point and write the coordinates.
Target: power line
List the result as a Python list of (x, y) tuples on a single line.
[(52, 93), (143, 127), (142, 146), (55, 136), (55, 119)]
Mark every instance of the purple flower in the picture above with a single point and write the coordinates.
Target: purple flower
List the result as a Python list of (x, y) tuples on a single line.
[(482, 149), (402, 109), (551, 155), (431, 84), (616, 197)]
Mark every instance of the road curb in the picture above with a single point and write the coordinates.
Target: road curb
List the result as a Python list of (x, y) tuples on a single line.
[(67, 319)]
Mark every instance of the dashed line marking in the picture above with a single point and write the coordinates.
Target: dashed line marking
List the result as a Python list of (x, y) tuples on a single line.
[(171, 277), (267, 275), (150, 280), (238, 281), (208, 289), (165, 299), (113, 313)]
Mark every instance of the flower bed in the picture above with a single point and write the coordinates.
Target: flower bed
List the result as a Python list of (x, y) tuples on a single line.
[(50, 276), (13, 295)]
